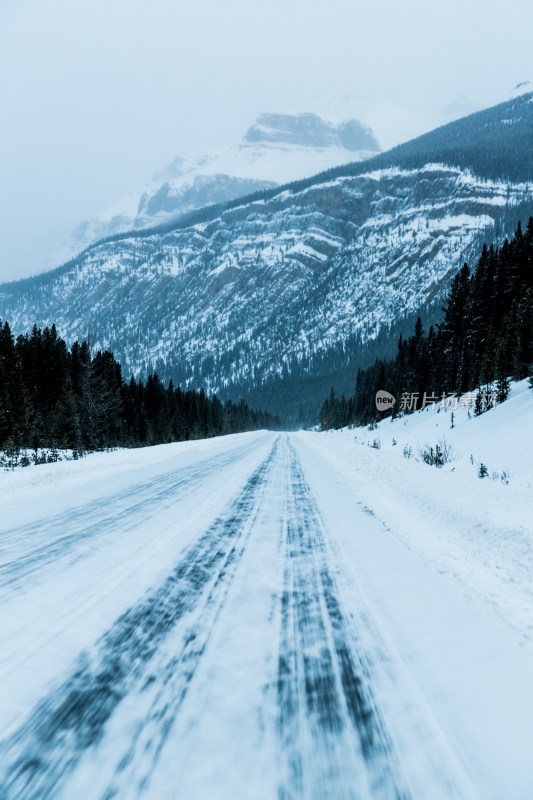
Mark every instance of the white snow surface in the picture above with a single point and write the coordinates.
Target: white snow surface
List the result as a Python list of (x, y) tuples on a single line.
[(476, 530), (273, 615)]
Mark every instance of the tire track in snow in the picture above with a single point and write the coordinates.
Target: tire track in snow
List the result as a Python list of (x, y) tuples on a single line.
[(72, 718), (333, 742)]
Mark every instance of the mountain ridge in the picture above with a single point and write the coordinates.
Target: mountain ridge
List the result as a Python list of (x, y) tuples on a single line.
[(241, 294), (277, 148), (350, 169)]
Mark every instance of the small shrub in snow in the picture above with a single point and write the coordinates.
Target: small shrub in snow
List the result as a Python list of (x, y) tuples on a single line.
[(376, 444), (407, 451), (504, 477), (394, 442), (482, 471), (436, 456)]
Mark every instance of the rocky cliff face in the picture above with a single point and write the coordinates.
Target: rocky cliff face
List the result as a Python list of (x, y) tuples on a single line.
[(238, 297), (274, 284), (276, 149), (310, 130)]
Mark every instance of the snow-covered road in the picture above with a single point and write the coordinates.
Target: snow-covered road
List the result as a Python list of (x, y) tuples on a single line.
[(227, 620)]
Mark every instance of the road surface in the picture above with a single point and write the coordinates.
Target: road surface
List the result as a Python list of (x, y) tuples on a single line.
[(198, 629)]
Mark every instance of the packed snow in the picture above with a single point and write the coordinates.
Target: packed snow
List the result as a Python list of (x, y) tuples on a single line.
[(476, 530), (272, 615)]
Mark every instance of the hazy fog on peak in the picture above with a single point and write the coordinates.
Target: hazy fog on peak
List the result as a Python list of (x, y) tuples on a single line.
[(97, 96)]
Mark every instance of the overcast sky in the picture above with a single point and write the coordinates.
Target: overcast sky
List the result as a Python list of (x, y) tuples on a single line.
[(96, 96)]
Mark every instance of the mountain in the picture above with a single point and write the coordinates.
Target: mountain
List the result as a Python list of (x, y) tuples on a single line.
[(292, 282), (277, 148)]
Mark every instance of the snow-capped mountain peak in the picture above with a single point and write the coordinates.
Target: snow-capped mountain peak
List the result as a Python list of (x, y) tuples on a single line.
[(277, 148), (311, 130)]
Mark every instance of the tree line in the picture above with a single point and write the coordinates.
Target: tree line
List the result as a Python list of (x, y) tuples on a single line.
[(485, 338), (53, 396)]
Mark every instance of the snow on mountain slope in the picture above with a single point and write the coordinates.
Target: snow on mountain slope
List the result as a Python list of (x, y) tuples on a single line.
[(277, 148), (237, 297), (286, 281)]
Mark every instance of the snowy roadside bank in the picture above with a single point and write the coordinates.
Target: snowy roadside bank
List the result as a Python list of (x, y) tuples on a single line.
[(477, 532), (41, 480)]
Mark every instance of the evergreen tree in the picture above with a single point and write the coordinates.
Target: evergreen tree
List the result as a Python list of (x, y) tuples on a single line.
[(53, 397), (21, 411), (486, 336), (67, 420)]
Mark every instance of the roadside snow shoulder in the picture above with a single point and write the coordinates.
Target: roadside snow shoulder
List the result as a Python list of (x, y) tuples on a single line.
[(42, 479), (477, 533)]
